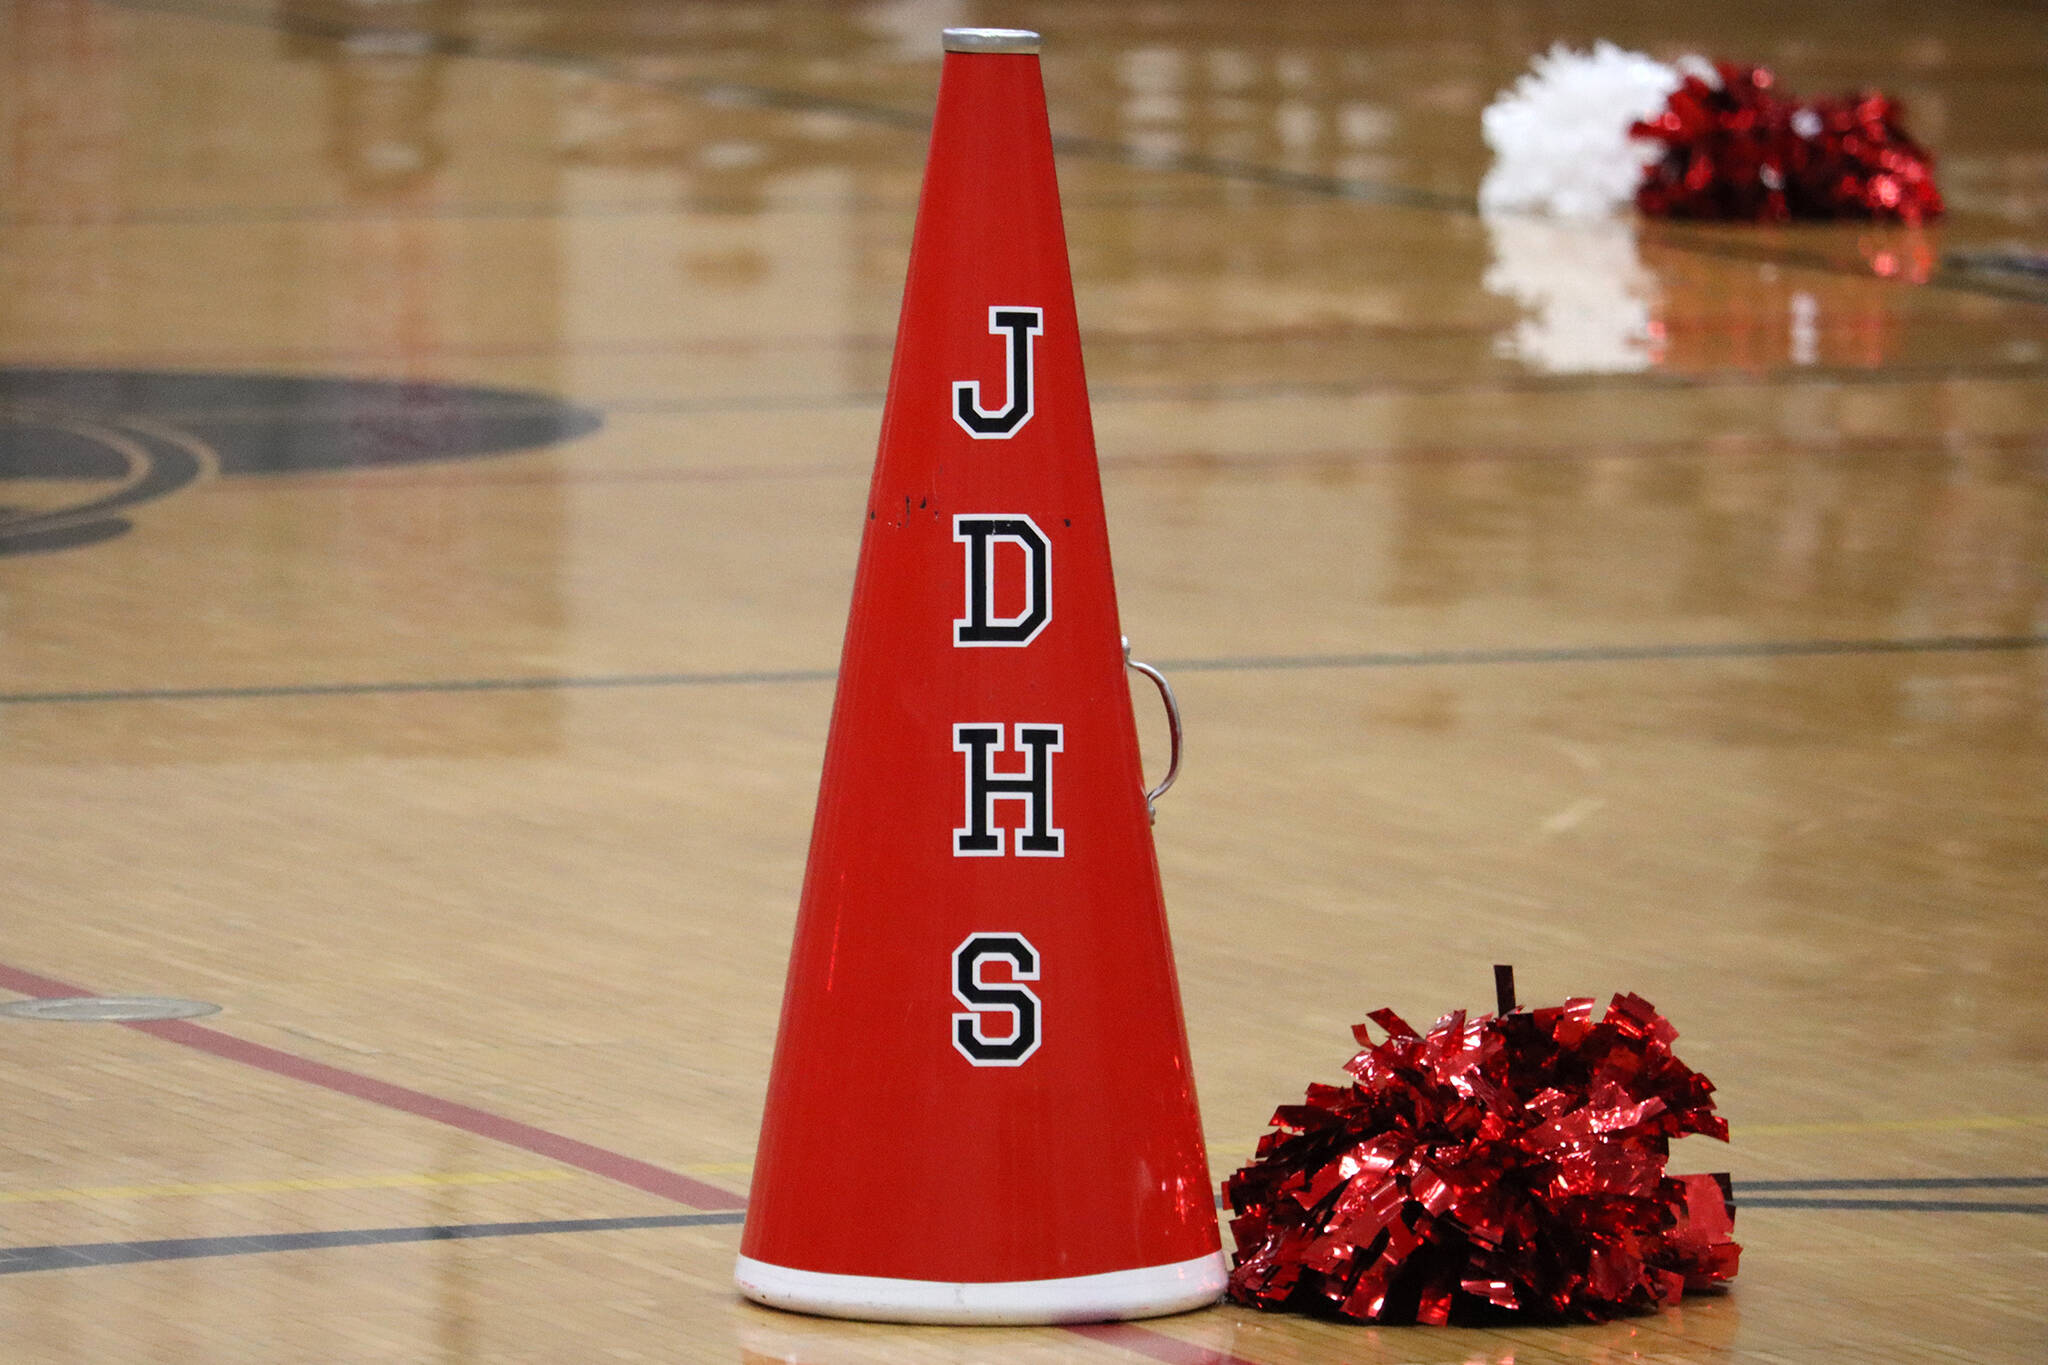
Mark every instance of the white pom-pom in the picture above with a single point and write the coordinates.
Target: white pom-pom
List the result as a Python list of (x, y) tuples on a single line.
[(1560, 137)]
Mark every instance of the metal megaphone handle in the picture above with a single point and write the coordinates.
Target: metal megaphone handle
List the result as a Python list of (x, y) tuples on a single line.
[(1172, 727)]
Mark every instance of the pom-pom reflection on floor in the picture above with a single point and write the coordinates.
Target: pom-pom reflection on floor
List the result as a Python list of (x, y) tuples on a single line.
[(1513, 1160)]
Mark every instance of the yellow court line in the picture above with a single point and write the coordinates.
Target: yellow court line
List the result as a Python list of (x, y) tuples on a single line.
[(401, 1180)]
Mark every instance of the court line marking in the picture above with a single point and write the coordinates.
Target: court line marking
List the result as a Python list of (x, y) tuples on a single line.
[(1438, 658), (1942, 1182), (613, 1165), (424, 1179), (1885, 1205), (734, 679), (19, 1260), (1179, 463), (1738, 649), (76, 1256), (1095, 339), (726, 93), (709, 205), (1959, 1122), (1939, 1182), (402, 1180), (1112, 395), (584, 1156), (616, 1166), (1953, 1123), (1647, 381)]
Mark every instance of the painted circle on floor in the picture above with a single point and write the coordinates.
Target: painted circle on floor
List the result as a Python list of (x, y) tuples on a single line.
[(81, 448)]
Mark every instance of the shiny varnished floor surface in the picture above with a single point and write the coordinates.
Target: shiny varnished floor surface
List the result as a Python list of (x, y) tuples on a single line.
[(1658, 609)]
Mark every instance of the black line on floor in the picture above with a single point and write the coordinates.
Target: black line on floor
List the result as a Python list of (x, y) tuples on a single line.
[(1647, 381), (1950, 275), (565, 210), (599, 681), (1758, 649), (1968, 1182), (1838, 450), (1744, 1201), (737, 93), (78, 1256), (18, 1260)]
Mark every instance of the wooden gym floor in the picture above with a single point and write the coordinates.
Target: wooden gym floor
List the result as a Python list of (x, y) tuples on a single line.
[(1655, 608)]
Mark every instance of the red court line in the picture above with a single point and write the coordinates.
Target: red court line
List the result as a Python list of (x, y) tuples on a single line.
[(599, 1161)]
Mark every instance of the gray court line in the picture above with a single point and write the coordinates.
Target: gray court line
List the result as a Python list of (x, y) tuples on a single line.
[(1961, 278), (742, 94), (78, 1256), (1744, 1201), (1106, 395), (1652, 381), (1757, 649), (355, 213), (539, 210), (1967, 1182), (1835, 450), (794, 675), (18, 1260)]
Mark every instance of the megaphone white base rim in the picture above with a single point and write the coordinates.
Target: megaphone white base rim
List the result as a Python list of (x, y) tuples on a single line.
[(1152, 1291)]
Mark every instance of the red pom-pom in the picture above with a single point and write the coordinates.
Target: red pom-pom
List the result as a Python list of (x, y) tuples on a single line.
[(1746, 152), (1515, 1161)]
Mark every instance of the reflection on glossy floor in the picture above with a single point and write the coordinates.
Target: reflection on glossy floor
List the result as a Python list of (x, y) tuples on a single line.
[(1655, 608)]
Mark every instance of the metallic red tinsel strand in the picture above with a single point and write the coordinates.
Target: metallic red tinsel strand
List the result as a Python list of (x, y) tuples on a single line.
[(1515, 1161), (1745, 152)]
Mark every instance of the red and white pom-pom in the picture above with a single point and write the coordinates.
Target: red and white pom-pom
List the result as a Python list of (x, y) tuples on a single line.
[(1560, 138), (1585, 133)]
